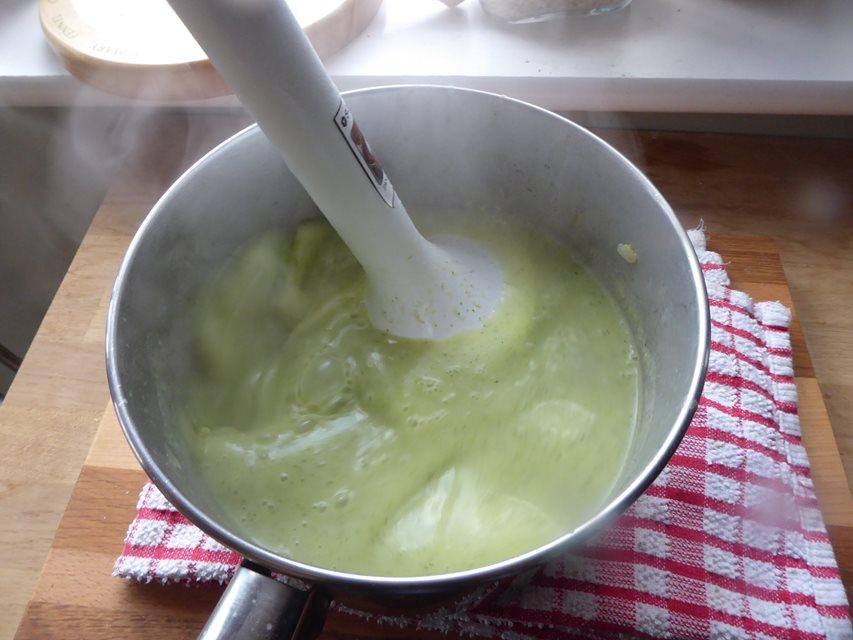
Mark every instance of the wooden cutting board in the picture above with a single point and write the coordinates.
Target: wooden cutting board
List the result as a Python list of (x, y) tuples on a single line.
[(76, 596)]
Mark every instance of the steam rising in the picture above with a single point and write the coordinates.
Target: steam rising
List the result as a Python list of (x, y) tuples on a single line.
[(58, 165)]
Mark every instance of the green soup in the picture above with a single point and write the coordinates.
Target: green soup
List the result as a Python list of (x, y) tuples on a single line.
[(341, 446)]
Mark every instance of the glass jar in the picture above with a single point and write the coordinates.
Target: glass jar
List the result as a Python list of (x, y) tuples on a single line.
[(518, 11)]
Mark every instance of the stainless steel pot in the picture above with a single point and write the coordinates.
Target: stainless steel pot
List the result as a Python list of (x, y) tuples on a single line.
[(446, 149)]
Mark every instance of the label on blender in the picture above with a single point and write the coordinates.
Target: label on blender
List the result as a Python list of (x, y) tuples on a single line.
[(355, 139)]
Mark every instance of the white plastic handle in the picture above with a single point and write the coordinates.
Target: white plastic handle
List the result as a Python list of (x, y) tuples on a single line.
[(263, 54)]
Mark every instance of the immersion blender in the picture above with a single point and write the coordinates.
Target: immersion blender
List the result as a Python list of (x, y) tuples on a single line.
[(417, 289)]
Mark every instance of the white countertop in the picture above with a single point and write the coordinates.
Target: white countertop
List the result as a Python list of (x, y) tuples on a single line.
[(722, 56)]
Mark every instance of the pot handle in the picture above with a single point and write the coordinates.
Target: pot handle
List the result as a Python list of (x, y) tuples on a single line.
[(256, 606)]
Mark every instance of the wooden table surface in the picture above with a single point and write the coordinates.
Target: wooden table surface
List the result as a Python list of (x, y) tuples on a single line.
[(59, 401)]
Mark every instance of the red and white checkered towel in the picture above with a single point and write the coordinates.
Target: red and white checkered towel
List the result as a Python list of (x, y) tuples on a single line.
[(727, 543)]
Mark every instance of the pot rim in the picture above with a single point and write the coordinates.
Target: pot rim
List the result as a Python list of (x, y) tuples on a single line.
[(453, 580)]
